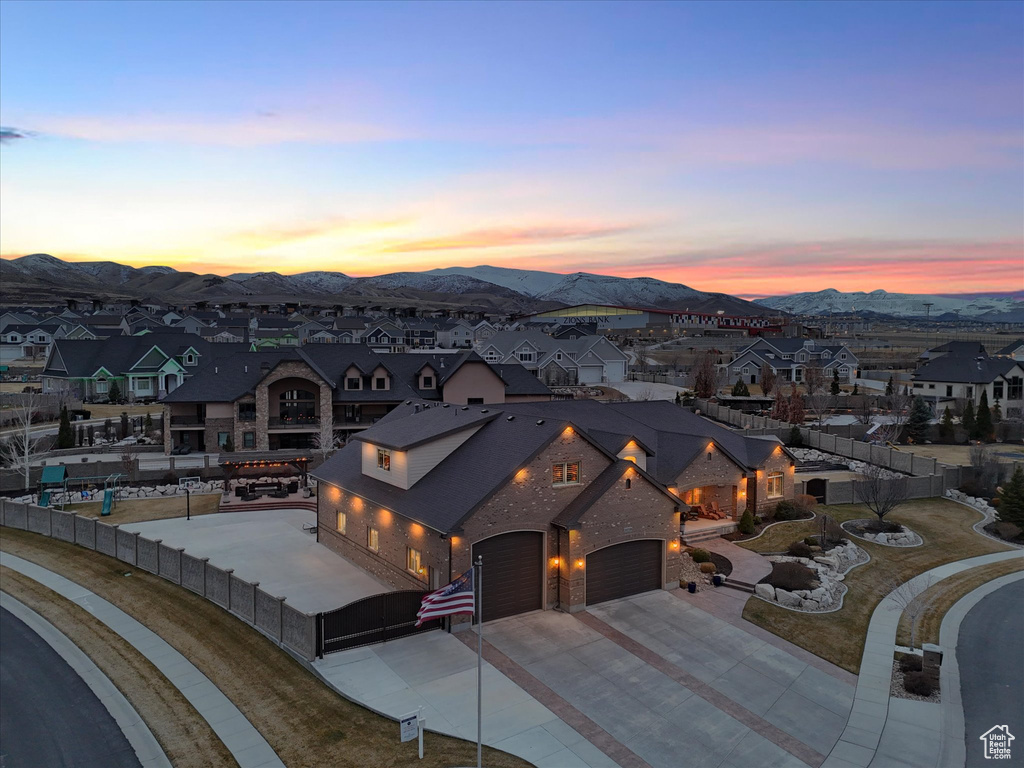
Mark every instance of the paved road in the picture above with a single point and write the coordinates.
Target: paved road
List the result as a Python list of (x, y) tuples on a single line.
[(48, 715), (990, 653)]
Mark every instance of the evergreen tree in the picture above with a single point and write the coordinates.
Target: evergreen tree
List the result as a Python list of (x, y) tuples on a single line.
[(919, 420), (746, 525), (795, 438), (114, 392), (856, 388), (967, 420), (65, 435), (147, 425), (126, 431), (946, 431), (229, 445), (997, 413), (835, 381), (1011, 500), (739, 389), (983, 419), (890, 387)]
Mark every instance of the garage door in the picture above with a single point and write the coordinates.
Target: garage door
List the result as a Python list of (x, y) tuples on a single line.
[(591, 374), (513, 573), (623, 570)]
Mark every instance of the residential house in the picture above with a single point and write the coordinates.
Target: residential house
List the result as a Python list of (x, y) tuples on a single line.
[(567, 507), (145, 367), (790, 358), (955, 376), (277, 399), (1013, 350), (558, 362)]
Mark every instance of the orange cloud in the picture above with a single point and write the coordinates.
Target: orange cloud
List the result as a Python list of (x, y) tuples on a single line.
[(502, 237)]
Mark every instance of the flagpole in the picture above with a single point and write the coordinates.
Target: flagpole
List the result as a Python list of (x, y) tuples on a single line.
[(479, 583)]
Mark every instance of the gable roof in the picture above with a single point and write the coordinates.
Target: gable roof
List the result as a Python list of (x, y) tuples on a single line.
[(431, 422), (82, 357), (964, 370)]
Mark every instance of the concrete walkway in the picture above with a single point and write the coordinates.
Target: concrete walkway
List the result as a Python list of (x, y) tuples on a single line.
[(912, 740), (142, 741), (269, 546), (245, 743), (747, 566), (437, 672)]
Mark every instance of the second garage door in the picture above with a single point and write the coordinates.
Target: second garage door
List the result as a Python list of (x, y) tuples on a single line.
[(513, 573), (623, 570)]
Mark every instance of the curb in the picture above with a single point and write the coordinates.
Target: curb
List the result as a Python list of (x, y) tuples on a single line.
[(134, 728)]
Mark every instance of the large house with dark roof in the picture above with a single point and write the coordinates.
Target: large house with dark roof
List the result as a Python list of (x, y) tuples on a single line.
[(568, 503), (278, 399), (959, 371), (790, 358), (145, 367)]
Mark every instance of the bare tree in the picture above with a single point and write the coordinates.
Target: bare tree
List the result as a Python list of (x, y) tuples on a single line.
[(907, 595), (645, 394), (22, 447), (706, 375), (324, 441), (881, 493), (898, 406), (129, 454), (814, 377), (986, 469), (767, 378), (862, 410), (821, 403)]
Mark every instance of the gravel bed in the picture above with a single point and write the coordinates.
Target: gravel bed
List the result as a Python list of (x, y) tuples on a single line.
[(690, 571), (897, 690)]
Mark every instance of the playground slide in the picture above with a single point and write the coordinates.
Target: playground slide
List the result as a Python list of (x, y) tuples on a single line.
[(108, 499), (44, 499)]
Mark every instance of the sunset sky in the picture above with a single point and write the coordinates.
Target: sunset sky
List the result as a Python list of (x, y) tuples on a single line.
[(750, 148)]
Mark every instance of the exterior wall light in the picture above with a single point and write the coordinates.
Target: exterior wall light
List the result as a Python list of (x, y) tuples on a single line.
[(579, 563)]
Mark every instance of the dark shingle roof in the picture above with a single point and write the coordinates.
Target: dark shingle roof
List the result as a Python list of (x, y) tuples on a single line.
[(964, 370), (1009, 349), (83, 357), (430, 422), (519, 381)]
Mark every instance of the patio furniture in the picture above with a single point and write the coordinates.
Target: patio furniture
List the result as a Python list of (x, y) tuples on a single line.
[(293, 486), (693, 513), (717, 511)]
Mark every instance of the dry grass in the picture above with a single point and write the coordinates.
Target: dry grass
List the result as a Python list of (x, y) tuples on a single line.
[(143, 510), (304, 721), (184, 735), (940, 597), (960, 454), (839, 637)]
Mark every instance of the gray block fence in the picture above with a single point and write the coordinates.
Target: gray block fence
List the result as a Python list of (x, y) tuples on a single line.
[(270, 614)]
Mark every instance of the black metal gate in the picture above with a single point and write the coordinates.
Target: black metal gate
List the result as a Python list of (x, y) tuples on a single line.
[(371, 620)]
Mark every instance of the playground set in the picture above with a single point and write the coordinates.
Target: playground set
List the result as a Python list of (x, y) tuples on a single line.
[(59, 490)]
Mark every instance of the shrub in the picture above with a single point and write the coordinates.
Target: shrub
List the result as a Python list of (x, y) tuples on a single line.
[(708, 568), (811, 541), (795, 439), (170, 478), (799, 549), (805, 502), (1005, 530), (700, 556), (787, 510), (994, 502), (917, 683), (747, 522), (911, 663), (884, 526), (791, 576)]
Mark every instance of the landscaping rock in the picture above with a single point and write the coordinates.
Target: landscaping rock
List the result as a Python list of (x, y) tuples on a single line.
[(788, 599), (767, 591)]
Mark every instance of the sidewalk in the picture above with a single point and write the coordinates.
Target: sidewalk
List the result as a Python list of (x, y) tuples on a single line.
[(245, 743), (911, 739)]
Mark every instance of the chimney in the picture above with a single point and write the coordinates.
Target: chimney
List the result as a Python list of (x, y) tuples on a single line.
[(215, 369), (247, 369)]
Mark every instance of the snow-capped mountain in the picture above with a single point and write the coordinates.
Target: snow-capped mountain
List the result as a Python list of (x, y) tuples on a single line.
[(894, 304)]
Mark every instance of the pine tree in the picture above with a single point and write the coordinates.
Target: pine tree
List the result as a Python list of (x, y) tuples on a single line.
[(946, 431), (147, 425), (746, 525), (114, 393), (890, 387), (835, 381), (856, 388), (983, 419), (918, 421), (997, 413), (65, 435), (739, 389), (126, 431), (1011, 500), (967, 420)]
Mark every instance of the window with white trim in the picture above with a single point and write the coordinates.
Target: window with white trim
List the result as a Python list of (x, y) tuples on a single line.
[(373, 539), (384, 459), (412, 561), (342, 523), (101, 386), (565, 473), (774, 489)]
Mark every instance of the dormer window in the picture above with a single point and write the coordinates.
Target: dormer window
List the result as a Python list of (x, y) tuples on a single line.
[(190, 359), (427, 382), (353, 382), (380, 382)]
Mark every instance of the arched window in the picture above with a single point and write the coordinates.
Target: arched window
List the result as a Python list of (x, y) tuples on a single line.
[(298, 406)]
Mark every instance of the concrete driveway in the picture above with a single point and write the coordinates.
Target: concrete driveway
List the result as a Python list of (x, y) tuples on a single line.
[(676, 685), (269, 546)]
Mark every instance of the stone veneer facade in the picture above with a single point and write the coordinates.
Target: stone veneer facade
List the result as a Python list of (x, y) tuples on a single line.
[(527, 502)]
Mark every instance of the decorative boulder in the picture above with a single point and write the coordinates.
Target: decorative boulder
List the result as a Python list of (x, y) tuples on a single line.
[(767, 591), (787, 599)]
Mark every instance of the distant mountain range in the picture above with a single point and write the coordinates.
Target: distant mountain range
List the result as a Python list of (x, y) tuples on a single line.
[(40, 277), (1003, 307)]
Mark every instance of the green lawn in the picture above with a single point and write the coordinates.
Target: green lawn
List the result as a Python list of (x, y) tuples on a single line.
[(839, 637)]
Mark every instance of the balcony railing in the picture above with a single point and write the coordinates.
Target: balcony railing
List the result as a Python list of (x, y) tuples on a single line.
[(293, 422), (187, 421)]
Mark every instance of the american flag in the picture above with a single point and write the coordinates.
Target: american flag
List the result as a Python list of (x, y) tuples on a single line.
[(449, 600)]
